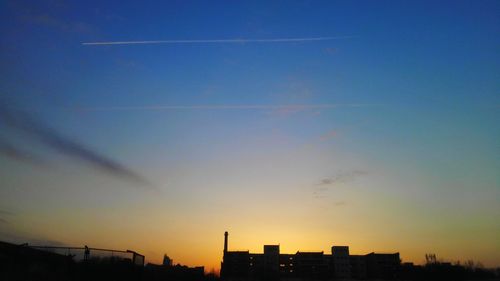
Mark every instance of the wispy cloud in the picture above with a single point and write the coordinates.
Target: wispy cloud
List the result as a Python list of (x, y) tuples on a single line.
[(342, 177), (321, 189), (44, 135), (224, 41), (286, 107)]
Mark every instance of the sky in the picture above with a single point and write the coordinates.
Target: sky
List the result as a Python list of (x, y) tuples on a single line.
[(372, 124)]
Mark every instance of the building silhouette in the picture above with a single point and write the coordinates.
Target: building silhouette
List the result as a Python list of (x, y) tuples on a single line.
[(167, 261), (339, 264)]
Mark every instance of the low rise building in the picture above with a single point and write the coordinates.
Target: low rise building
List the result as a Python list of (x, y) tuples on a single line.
[(273, 265)]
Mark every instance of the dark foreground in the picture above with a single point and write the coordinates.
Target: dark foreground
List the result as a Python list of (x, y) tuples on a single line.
[(21, 262)]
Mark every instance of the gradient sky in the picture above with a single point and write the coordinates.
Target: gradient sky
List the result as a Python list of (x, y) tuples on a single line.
[(384, 139)]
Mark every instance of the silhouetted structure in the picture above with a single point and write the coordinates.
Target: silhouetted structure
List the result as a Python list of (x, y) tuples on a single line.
[(19, 262), (24, 262), (167, 261), (86, 255), (272, 265), (434, 271), (384, 266), (169, 271), (155, 272)]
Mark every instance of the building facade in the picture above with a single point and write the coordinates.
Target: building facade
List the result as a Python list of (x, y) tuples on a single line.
[(338, 265)]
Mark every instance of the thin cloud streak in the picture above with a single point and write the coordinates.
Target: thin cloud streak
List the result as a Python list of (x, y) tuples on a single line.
[(226, 107), (231, 41), (322, 188), (342, 178), (39, 132)]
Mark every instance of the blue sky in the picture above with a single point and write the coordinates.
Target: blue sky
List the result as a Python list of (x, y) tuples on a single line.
[(399, 115)]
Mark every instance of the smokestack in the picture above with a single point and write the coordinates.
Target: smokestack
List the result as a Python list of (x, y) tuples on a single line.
[(225, 241)]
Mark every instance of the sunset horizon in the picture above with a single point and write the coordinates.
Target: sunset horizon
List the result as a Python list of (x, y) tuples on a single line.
[(157, 126)]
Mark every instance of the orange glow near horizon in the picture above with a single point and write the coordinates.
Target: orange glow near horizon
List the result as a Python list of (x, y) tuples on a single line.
[(210, 256), (193, 234)]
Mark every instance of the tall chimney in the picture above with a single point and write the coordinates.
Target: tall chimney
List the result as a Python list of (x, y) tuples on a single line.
[(225, 241)]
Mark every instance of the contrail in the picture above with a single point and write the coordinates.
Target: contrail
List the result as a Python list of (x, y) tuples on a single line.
[(224, 107), (271, 40)]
